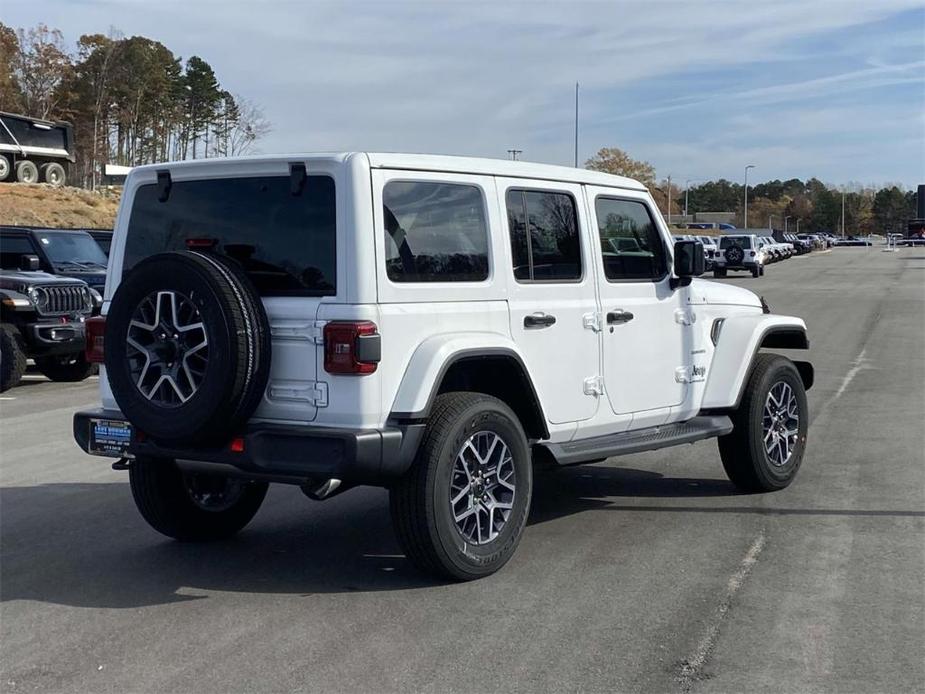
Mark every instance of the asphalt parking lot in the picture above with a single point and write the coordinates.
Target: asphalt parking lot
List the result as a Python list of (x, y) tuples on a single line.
[(646, 572)]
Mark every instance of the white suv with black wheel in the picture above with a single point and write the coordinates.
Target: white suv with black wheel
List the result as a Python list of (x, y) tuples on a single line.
[(432, 325)]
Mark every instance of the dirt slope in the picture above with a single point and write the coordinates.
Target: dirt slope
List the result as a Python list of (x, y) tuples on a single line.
[(41, 205)]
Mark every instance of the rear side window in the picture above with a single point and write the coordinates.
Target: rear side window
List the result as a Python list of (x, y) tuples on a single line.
[(435, 232), (12, 248), (631, 245), (284, 242), (544, 236)]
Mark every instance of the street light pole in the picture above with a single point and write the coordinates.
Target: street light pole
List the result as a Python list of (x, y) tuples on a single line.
[(843, 213), (770, 222), (576, 125), (750, 166), (785, 222), (514, 153)]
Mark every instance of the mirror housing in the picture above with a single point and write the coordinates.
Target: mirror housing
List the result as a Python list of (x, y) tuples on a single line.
[(688, 262), (29, 262)]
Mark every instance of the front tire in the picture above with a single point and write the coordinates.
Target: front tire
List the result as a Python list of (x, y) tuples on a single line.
[(192, 508), (12, 357), (765, 449), (68, 368), (460, 511)]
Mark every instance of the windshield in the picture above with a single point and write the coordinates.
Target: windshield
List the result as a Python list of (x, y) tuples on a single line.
[(72, 248), (740, 241)]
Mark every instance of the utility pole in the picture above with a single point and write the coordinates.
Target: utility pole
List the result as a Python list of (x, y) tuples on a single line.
[(669, 199), (514, 153), (576, 125), (750, 166)]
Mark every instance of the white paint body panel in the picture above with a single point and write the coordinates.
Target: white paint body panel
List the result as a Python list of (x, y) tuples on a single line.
[(738, 342), (423, 326)]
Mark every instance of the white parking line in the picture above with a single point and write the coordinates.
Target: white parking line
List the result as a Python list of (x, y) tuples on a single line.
[(691, 667), (859, 365)]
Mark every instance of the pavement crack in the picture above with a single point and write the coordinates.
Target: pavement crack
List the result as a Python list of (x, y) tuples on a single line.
[(692, 668)]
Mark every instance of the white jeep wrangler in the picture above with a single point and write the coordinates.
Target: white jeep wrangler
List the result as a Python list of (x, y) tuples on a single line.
[(432, 325), (739, 252)]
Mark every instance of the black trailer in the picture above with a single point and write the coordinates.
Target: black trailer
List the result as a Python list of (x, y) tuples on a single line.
[(33, 150)]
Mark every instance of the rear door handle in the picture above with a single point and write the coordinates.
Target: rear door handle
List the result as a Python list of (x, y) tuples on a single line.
[(539, 320), (619, 316)]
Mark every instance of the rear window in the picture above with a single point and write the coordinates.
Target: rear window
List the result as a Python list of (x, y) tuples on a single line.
[(740, 241), (284, 242)]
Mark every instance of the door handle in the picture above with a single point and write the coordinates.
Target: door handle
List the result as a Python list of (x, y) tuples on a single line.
[(539, 320), (619, 316)]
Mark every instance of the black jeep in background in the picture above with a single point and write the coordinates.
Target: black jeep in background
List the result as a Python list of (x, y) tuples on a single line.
[(66, 252), (42, 317)]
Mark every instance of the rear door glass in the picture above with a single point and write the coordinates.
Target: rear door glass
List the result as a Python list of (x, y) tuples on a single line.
[(12, 249), (284, 242), (435, 232)]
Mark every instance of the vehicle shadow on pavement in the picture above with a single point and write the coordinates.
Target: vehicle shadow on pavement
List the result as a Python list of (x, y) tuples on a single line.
[(85, 545)]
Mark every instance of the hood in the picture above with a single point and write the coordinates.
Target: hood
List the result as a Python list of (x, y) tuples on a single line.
[(707, 292), (95, 278), (10, 279)]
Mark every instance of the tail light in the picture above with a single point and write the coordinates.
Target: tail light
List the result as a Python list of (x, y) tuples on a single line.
[(351, 347), (96, 328)]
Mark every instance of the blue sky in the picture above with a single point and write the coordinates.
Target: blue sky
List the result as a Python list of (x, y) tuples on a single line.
[(826, 88)]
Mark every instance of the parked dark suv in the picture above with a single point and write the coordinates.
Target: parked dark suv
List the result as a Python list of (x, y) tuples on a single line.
[(67, 252), (42, 317)]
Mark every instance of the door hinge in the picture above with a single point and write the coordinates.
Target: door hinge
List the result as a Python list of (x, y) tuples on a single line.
[(592, 321), (684, 316), (593, 385), (313, 393), (312, 331)]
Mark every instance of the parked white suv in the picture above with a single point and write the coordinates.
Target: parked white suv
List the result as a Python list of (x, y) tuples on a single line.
[(739, 252), (429, 324)]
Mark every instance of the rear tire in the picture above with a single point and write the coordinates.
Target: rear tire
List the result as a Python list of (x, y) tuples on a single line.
[(192, 508), (68, 368), (448, 509), (27, 172), (748, 462), (12, 357), (53, 174), (756, 271)]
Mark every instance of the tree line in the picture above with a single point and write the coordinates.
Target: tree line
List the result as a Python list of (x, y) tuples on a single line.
[(817, 205), (131, 100)]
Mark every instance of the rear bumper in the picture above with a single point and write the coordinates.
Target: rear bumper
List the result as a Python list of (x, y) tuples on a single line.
[(286, 453)]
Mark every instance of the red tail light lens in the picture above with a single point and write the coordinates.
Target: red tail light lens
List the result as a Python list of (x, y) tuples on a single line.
[(96, 329), (351, 347)]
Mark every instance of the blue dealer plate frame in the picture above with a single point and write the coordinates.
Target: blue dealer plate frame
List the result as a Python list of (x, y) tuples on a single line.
[(110, 438)]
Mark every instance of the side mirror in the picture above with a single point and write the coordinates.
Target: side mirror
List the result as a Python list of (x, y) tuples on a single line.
[(29, 263), (688, 260)]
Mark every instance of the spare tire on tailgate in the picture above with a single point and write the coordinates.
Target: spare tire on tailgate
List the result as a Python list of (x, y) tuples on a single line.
[(187, 348)]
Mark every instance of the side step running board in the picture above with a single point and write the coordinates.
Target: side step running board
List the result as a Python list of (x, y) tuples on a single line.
[(583, 450)]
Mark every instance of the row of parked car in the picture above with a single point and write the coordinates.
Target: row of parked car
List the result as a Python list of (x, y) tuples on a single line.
[(51, 281), (750, 251)]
